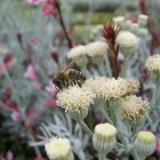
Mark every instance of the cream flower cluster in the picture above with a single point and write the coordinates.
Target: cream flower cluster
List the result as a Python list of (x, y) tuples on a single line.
[(75, 98), (153, 63), (126, 39), (95, 83), (132, 108), (116, 88), (59, 148), (119, 20), (77, 52), (97, 48)]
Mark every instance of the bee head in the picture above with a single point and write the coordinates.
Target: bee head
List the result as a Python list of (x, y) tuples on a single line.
[(57, 82)]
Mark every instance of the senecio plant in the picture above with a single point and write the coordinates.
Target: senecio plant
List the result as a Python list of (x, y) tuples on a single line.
[(113, 92), (109, 89)]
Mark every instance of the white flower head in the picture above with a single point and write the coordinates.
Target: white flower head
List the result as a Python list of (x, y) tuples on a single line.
[(75, 98), (106, 130), (116, 88), (119, 20), (153, 63), (95, 83), (97, 48), (77, 52), (126, 40), (58, 148), (132, 108)]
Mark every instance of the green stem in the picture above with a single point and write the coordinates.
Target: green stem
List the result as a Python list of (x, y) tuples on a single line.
[(102, 156), (124, 67), (155, 96), (134, 154), (85, 127)]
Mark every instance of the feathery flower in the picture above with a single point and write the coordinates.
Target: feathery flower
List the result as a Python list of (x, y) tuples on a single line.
[(119, 20), (76, 52), (75, 97), (126, 40), (116, 88), (97, 48), (153, 63), (59, 148), (95, 83), (76, 100), (132, 108)]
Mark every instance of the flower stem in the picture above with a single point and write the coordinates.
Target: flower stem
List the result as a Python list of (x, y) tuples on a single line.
[(102, 156), (85, 127), (61, 21)]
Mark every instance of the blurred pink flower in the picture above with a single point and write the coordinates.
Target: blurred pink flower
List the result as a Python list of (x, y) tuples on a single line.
[(51, 88), (49, 10), (16, 116), (50, 102), (8, 60), (158, 146), (9, 156), (30, 72), (34, 40), (32, 113), (35, 2), (40, 158)]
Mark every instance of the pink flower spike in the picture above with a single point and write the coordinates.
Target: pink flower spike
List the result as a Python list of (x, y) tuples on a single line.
[(30, 73), (46, 10)]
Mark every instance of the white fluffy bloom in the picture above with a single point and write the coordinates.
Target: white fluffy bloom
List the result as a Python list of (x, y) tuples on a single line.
[(97, 48), (119, 20), (75, 98), (153, 63), (126, 40), (132, 108), (116, 88), (76, 52), (95, 83), (59, 148)]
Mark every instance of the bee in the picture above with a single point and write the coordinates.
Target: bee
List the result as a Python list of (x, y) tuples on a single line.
[(68, 77)]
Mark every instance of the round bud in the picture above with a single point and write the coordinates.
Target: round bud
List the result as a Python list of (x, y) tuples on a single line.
[(142, 20), (145, 144), (104, 137)]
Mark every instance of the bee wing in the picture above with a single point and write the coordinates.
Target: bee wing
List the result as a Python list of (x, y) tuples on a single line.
[(70, 65)]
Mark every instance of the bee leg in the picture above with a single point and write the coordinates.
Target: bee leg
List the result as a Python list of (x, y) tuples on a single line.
[(79, 83)]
